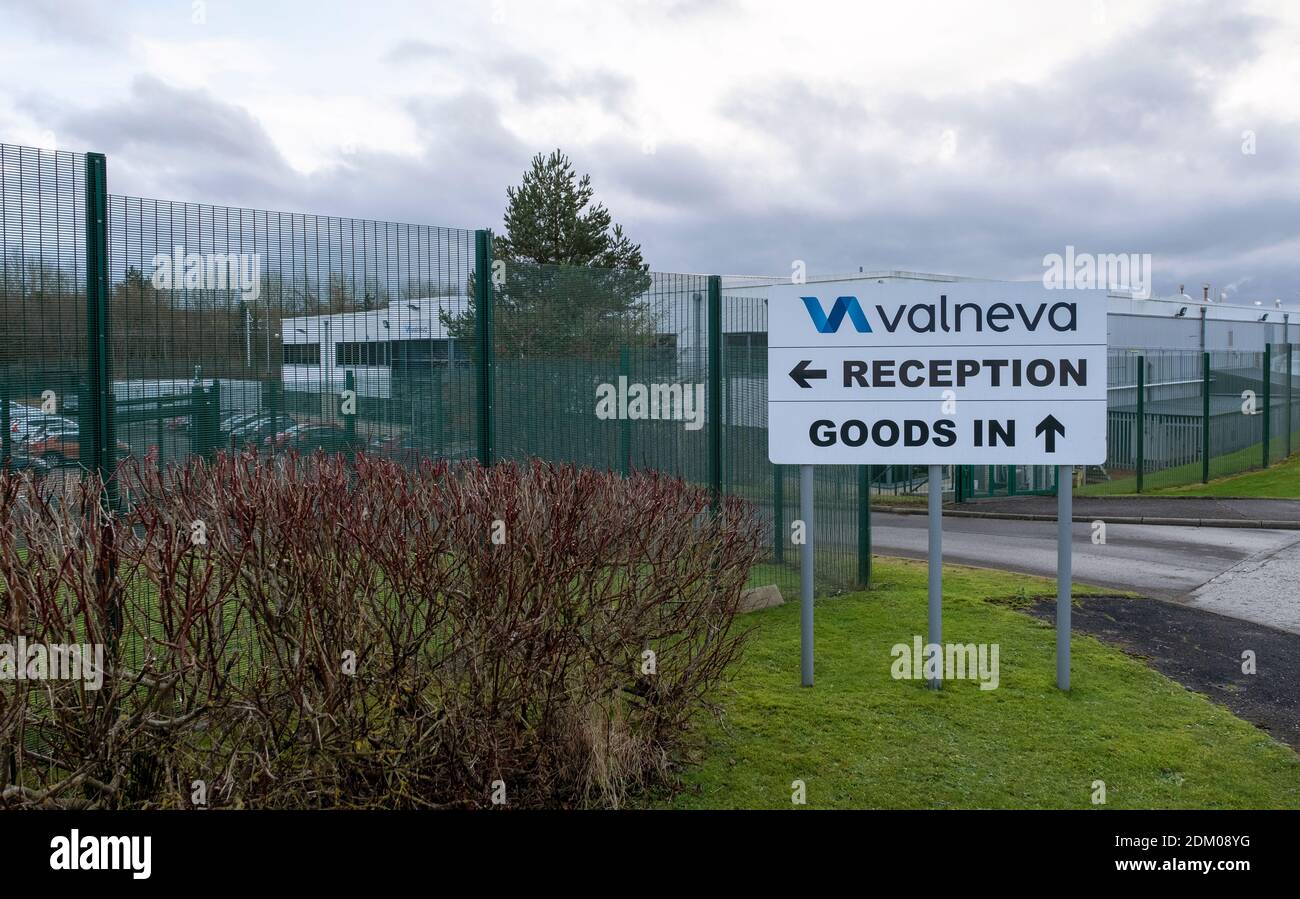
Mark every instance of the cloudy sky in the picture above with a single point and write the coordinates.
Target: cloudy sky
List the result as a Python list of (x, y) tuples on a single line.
[(732, 137)]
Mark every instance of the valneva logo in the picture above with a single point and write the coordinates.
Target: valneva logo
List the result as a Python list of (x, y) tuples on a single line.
[(89, 853), (1105, 271), (954, 317), (208, 271), (829, 324)]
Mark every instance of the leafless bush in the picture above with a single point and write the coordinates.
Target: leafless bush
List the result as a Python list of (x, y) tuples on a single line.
[(325, 632)]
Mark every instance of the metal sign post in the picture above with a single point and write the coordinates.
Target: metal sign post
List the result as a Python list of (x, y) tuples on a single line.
[(903, 372), (806, 576), (935, 552), (1064, 571)]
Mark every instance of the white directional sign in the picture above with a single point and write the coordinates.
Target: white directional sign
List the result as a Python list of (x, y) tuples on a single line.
[(936, 373)]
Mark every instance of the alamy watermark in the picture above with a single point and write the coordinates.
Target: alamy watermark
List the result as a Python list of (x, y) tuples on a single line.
[(1091, 271), (208, 271), (950, 661), (658, 402), (23, 661), (102, 853)]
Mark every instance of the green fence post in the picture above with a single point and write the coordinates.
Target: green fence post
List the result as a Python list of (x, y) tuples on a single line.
[(1268, 399), (161, 430), (778, 513), (483, 308), (214, 416), (6, 439), (864, 525), (212, 419), (625, 425), (1205, 418), (277, 397), (1290, 362), (349, 419), (99, 346), (1141, 421), (198, 420), (715, 388), (439, 382)]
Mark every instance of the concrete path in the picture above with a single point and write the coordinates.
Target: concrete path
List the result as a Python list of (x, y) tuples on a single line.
[(1251, 574), (1248, 573), (1264, 589)]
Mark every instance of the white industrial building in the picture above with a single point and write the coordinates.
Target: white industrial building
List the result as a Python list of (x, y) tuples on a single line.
[(406, 335), (411, 335)]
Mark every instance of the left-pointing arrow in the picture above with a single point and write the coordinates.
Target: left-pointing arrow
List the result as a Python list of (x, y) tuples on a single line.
[(802, 374)]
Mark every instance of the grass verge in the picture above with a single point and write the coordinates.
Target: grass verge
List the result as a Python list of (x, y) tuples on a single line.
[(1247, 479), (860, 739), (1281, 481)]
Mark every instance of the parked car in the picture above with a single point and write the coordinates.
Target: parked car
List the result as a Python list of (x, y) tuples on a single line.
[(61, 445), (400, 447), (24, 421), (254, 429), (232, 418), (309, 438)]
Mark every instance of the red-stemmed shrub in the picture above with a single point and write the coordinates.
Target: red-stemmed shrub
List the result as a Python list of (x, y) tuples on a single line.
[(338, 632)]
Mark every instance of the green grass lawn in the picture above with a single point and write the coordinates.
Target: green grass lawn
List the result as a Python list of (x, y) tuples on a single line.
[(860, 739)]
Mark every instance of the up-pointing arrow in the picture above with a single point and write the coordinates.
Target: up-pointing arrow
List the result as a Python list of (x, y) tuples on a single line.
[(801, 374), (1050, 429)]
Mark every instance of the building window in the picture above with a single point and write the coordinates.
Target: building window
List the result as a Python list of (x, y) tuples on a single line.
[(746, 340), (302, 354), (418, 354), (745, 352), (362, 353)]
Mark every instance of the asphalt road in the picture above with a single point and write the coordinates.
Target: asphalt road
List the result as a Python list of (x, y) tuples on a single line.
[(1154, 560)]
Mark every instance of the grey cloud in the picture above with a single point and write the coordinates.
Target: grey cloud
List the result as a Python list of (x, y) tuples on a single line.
[(1026, 181), (1121, 151), (177, 144), (672, 176), (70, 21), (168, 137), (417, 51), (531, 78)]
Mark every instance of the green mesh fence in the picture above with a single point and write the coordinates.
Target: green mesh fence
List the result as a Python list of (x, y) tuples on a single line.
[(1180, 418), (231, 328)]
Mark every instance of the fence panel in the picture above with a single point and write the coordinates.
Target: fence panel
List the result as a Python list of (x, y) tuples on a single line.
[(42, 303), (243, 328)]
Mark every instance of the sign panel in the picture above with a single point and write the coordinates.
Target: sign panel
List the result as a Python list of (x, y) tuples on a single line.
[(965, 373)]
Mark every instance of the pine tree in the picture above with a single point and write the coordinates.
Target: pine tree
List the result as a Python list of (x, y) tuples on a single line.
[(574, 283)]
